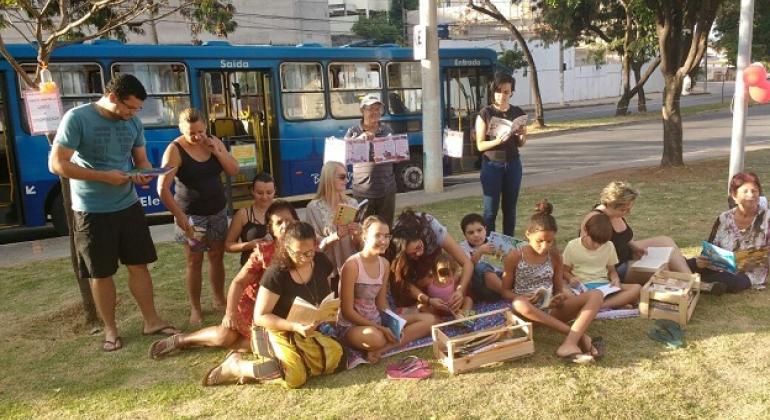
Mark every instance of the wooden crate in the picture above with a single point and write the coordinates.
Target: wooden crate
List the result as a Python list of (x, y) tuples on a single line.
[(670, 295), (515, 342)]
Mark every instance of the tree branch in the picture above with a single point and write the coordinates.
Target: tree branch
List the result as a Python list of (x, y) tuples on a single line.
[(646, 75), (15, 64)]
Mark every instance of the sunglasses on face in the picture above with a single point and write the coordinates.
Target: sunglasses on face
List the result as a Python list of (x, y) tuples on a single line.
[(299, 254)]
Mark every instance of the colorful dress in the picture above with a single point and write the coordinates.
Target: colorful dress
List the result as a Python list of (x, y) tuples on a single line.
[(727, 235), (364, 295), (256, 264)]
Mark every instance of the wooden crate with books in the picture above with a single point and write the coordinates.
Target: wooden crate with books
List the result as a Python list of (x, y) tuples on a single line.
[(670, 295), (467, 351)]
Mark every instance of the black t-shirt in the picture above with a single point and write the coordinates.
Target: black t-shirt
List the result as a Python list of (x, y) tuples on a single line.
[(279, 281), (508, 150)]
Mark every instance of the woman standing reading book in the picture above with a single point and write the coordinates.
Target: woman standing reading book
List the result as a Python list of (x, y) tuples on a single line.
[(363, 298), (198, 204), (501, 170), (741, 228), (337, 241)]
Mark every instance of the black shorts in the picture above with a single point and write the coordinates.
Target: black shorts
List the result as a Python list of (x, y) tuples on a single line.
[(103, 238)]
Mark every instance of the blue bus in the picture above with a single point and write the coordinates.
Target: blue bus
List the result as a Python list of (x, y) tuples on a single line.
[(282, 101)]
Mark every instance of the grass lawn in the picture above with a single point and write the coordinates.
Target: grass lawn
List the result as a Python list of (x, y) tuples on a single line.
[(52, 368)]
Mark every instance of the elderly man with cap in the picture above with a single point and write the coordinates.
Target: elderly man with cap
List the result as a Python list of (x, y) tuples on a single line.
[(375, 182)]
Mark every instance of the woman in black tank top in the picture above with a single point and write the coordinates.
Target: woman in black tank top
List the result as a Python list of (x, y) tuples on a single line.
[(248, 226), (617, 199), (198, 204)]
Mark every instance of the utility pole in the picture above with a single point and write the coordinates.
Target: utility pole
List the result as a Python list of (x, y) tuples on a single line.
[(561, 71), (431, 105), (741, 102)]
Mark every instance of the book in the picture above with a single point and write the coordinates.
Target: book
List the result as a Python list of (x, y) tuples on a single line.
[(153, 172), (606, 289), (394, 322), (747, 260), (655, 258), (544, 295), (719, 259), (345, 214), (500, 127), (305, 312), (503, 244), (453, 143), (393, 148)]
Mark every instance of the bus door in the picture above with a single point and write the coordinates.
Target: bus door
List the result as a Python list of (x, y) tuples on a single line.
[(240, 106), (465, 93), (9, 198)]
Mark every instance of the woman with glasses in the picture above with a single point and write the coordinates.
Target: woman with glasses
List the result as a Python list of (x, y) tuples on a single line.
[(198, 204), (363, 297), (616, 201), (338, 242)]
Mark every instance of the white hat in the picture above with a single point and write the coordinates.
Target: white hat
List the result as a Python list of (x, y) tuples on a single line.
[(370, 99)]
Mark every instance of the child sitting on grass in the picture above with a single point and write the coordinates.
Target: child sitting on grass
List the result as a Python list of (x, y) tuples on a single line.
[(534, 273), (590, 260), (443, 284), (486, 283)]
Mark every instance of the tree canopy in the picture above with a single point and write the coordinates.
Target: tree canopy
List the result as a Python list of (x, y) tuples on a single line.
[(726, 28)]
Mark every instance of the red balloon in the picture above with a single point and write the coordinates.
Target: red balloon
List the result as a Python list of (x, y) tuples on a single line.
[(761, 92), (754, 74)]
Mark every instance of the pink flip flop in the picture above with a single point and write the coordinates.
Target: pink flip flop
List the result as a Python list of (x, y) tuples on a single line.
[(411, 367)]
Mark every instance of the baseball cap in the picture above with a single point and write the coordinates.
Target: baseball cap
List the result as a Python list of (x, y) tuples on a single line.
[(370, 99)]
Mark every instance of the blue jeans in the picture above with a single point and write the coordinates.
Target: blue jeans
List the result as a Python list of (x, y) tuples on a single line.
[(479, 286), (501, 178)]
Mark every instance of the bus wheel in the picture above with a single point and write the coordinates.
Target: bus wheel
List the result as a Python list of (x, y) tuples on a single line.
[(58, 216), (409, 175)]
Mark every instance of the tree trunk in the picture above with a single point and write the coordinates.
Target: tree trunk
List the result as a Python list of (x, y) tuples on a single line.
[(625, 77), (641, 104), (672, 122), (89, 308)]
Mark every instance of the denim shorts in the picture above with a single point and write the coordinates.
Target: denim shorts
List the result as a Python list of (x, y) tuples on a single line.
[(479, 287), (214, 226)]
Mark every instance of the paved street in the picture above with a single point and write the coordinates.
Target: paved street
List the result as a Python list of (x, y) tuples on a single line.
[(547, 159)]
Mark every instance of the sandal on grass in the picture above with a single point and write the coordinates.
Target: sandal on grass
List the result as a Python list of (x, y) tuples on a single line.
[(167, 330), (411, 367), (217, 376), (598, 345), (165, 346), (577, 358), (115, 344)]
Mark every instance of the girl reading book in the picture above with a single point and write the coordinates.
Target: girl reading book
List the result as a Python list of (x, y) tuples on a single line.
[(363, 296), (336, 240), (443, 283), (235, 329), (533, 273)]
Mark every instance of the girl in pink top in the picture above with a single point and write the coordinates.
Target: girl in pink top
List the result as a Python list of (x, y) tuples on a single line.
[(442, 285)]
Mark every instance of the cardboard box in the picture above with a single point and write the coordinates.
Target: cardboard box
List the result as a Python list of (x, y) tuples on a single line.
[(460, 354), (670, 295), (640, 271)]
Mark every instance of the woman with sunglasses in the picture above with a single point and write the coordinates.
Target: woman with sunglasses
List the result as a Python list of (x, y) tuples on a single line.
[(234, 332), (338, 242), (297, 270), (363, 296)]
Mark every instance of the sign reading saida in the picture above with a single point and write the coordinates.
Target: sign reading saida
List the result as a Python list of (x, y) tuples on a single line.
[(245, 154)]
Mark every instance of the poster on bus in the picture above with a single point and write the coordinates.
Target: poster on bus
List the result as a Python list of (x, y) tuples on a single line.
[(44, 111), (453, 143)]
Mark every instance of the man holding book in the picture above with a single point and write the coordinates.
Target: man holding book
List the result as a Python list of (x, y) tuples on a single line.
[(96, 146), (375, 182)]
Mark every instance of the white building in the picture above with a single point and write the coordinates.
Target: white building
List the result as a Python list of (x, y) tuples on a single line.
[(285, 22), (343, 14), (583, 79)]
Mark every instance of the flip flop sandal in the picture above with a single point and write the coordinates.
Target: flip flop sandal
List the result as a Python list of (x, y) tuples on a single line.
[(577, 358), (215, 377), (167, 330), (164, 347), (663, 336), (407, 363), (114, 345), (414, 372), (672, 327)]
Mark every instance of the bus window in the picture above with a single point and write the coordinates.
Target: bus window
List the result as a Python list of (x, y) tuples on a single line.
[(78, 83), (349, 83), (404, 92), (167, 90), (302, 92)]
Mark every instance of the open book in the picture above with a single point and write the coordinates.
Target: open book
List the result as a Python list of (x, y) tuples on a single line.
[(502, 127), (153, 172), (394, 322), (305, 312), (503, 244), (655, 258), (544, 295), (606, 290), (346, 214), (721, 259)]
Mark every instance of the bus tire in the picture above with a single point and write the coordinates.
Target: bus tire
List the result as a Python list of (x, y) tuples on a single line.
[(409, 175), (58, 217)]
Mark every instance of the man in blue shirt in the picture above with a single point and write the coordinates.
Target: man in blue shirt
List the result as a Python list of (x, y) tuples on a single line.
[(95, 147)]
